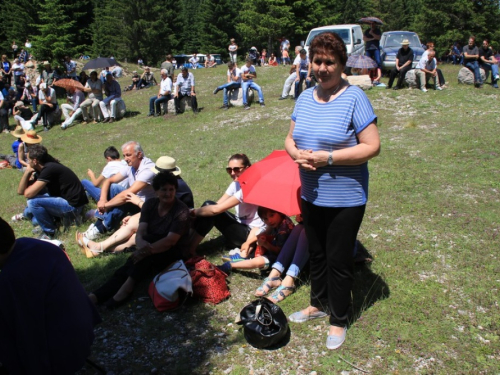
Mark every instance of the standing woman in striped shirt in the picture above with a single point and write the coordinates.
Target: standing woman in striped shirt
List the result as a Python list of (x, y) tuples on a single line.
[(332, 136)]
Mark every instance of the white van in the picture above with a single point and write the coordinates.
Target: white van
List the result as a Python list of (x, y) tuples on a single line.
[(352, 35)]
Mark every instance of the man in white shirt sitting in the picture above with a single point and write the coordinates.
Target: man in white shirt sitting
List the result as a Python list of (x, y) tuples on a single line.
[(194, 61), (184, 86), (210, 61), (233, 83), (426, 69), (72, 110), (164, 94)]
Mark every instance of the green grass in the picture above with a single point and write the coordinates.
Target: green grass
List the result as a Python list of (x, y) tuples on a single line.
[(428, 304)]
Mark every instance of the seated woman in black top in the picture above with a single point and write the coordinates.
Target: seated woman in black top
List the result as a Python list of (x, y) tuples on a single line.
[(160, 240)]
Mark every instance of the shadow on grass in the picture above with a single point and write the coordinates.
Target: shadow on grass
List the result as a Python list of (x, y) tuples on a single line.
[(368, 287), (130, 114), (136, 338)]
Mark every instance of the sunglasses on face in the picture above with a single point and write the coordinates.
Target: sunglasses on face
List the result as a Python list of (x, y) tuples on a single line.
[(235, 169)]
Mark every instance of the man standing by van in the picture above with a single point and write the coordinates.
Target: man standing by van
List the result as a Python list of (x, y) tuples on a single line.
[(372, 43)]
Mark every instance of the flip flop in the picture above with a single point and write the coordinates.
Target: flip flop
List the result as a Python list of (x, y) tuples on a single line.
[(260, 292), (279, 294), (87, 251)]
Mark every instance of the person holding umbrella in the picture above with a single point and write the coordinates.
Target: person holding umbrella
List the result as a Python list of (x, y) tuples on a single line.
[(332, 136), (372, 43)]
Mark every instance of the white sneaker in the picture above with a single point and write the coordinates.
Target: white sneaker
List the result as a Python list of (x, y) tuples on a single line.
[(64, 126), (423, 90), (497, 77), (18, 217), (439, 88), (92, 233)]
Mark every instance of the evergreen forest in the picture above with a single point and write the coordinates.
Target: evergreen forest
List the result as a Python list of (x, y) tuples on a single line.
[(148, 29)]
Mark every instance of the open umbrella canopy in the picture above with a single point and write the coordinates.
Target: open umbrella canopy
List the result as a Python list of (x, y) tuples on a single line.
[(371, 20), (100, 63), (273, 182), (67, 83), (361, 61)]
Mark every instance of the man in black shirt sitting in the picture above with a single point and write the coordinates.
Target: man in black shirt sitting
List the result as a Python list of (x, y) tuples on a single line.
[(488, 62), (66, 195), (404, 60)]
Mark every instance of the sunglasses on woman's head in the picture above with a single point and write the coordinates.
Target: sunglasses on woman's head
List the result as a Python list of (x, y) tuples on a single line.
[(235, 169)]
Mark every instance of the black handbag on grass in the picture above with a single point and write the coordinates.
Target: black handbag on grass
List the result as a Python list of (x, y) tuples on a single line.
[(264, 323)]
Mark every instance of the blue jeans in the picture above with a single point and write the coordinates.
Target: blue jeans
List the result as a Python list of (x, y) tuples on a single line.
[(228, 87), (375, 55), (494, 71), (155, 103), (111, 219), (93, 191), (474, 66), (294, 254), (251, 85), (46, 208), (298, 84)]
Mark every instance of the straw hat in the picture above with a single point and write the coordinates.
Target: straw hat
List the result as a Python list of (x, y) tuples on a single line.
[(166, 164), (405, 42), (18, 132), (31, 137), (46, 63)]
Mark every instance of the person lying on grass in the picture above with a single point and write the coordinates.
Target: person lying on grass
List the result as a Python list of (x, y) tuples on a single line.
[(269, 243)]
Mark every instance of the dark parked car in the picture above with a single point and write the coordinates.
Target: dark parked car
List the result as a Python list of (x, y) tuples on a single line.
[(390, 43)]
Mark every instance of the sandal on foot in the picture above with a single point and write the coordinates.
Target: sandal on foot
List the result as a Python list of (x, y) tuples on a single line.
[(89, 253), (260, 292), (279, 294), (79, 238)]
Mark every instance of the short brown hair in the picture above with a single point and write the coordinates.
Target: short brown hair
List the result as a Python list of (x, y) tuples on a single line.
[(326, 43)]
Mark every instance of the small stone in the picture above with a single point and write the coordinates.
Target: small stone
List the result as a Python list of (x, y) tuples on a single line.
[(154, 370)]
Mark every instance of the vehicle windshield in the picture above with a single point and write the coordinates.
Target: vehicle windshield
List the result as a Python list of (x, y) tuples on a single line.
[(345, 34), (395, 40)]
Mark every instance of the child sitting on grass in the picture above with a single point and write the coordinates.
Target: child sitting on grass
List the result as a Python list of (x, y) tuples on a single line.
[(113, 166), (269, 243)]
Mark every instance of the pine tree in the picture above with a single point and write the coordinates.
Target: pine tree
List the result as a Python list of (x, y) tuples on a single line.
[(54, 40), (18, 19), (263, 22)]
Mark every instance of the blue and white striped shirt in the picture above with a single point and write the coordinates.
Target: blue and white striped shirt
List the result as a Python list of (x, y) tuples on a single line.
[(333, 126)]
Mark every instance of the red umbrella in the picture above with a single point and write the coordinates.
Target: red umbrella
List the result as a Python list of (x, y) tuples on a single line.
[(274, 183), (68, 83)]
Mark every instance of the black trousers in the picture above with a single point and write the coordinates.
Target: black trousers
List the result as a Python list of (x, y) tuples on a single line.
[(226, 223), (177, 102), (42, 113), (332, 233), (4, 119), (402, 75), (148, 266)]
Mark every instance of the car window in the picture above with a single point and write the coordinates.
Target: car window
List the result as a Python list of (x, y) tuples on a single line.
[(395, 40), (345, 34)]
